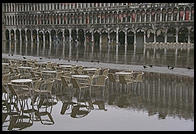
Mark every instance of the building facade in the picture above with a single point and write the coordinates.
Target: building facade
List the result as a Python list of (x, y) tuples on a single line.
[(97, 24)]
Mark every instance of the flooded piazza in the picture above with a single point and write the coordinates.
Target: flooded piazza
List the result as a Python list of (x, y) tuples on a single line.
[(94, 73)]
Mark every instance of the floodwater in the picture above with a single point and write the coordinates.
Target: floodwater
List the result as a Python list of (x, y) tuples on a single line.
[(135, 56), (161, 102)]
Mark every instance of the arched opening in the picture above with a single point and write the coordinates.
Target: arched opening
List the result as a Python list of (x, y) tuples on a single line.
[(140, 38), (171, 35), (192, 35), (183, 35), (41, 42), (28, 41), (12, 41), (17, 41), (130, 39), (47, 43), (53, 39), (160, 35), (23, 41), (121, 39), (96, 42), (34, 41), (149, 35)]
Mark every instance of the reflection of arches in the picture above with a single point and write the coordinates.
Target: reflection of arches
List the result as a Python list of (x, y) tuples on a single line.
[(183, 35), (130, 37), (121, 38), (171, 35)]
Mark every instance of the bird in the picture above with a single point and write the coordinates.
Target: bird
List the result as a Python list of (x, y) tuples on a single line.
[(12, 54), (171, 68), (189, 68), (59, 58), (98, 61), (145, 66), (68, 60), (8, 54), (40, 58), (168, 66), (150, 65), (77, 60), (91, 60), (24, 57)]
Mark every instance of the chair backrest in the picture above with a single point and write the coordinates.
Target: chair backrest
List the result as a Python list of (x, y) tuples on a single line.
[(122, 79), (101, 79), (11, 89), (47, 85), (64, 81), (139, 77), (111, 77), (105, 72), (75, 83), (6, 78)]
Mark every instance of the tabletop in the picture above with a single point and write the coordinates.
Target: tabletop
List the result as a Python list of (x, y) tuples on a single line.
[(66, 66), (25, 67), (21, 81), (7, 64), (80, 76), (124, 73), (49, 71), (90, 69)]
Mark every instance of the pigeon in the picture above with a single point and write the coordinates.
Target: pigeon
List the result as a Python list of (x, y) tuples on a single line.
[(77, 60), (150, 65), (189, 68), (91, 60), (12, 54), (171, 68), (69, 60), (8, 54), (168, 66), (59, 58), (98, 61), (145, 66), (40, 58), (24, 57)]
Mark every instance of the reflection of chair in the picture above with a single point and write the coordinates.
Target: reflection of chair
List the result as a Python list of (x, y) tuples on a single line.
[(100, 104), (78, 85), (100, 81), (122, 80), (112, 79), (79, 111), (20, 122)]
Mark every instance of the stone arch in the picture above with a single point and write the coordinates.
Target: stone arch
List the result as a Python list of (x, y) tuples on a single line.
[(164, 14)]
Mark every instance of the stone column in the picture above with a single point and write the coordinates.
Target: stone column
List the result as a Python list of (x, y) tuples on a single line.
[(155, 36), (161, 16), (15, 41), (100, 43), (50, 43), (70, 43), (117, 44), (26, 42), (44, 42), (126, 41), (189, 38), (20, 41), (37, 42), (84, 41), (176, 56), (144, 37), (92, 45), (31, 42), (134, 38), (165, 36), (177, 34), (63, 43), (178, 16), (10, 40)]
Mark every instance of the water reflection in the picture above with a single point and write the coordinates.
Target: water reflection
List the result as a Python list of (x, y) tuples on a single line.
[(161, 95), (181, 57)]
